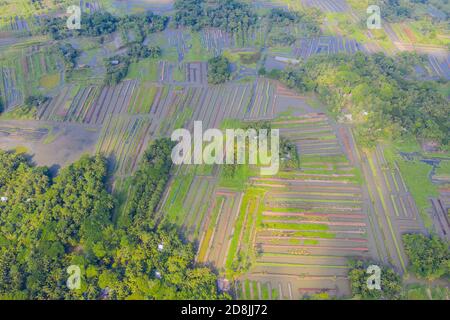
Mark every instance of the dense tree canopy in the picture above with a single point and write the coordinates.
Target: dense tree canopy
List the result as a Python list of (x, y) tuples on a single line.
[(49, 224), (279, 20), (148, 184), (391, 284), (429, 257), (1, 105), (376, 91), (69, 54), (102, 23), (232, 15), (218, 70)]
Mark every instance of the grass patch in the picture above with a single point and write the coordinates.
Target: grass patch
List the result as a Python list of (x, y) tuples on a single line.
[(183, 117), (49, 81), (443, 169), (144, 70), (22, 112), (197, 51), (238, 181), (415, 174), (174, 208), (51, 135)]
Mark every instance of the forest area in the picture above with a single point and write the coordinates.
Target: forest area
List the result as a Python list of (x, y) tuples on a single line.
[(378, 92), (48, 224)]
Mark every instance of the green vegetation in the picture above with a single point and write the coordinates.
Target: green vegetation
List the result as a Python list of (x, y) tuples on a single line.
[(391, 283), (288, 154), (117, 66), (70, 55), (375, 91), (117, 262), (102, 22), (148, 184), (232, 16), (444, 168), (429, 257), (280, 20), (130, 242), (218, 70), (96, 24), (422, 292), (415, 173)]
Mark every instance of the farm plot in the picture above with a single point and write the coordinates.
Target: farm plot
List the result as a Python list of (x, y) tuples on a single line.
[(171, 72), (297, 230), (26, 72), (123, 139), (19, 17), (216, 238), (39, 62), (392, 207), (157, 6), (269, 4), (143, 98), (9, 88), (188, 197), (440, 208), (216, 103), (197, 73), (15, 24), (88, 104), (391, 32), (91, 5), (327, 5), (441, 221), (255, 290), (179, 39), (173, 107), (262, 103), (289, 103), (312, 134), (215, 40), (307, 47), (439, 66)]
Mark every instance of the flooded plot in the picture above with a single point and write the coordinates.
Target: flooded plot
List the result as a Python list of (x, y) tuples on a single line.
[(217, 103), (197, 73), (440, 213), (439, 66), (178, 39), (216, 40), (327, 5), (49, 143), (88, 104), (11, 93), (305, 48)]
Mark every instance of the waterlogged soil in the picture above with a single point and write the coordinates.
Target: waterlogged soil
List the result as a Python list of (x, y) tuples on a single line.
[(50, 144)]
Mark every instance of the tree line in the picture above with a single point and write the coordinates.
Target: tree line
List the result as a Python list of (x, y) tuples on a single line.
[(429, 258), (232, 16), (48, 224), (378, 91)]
